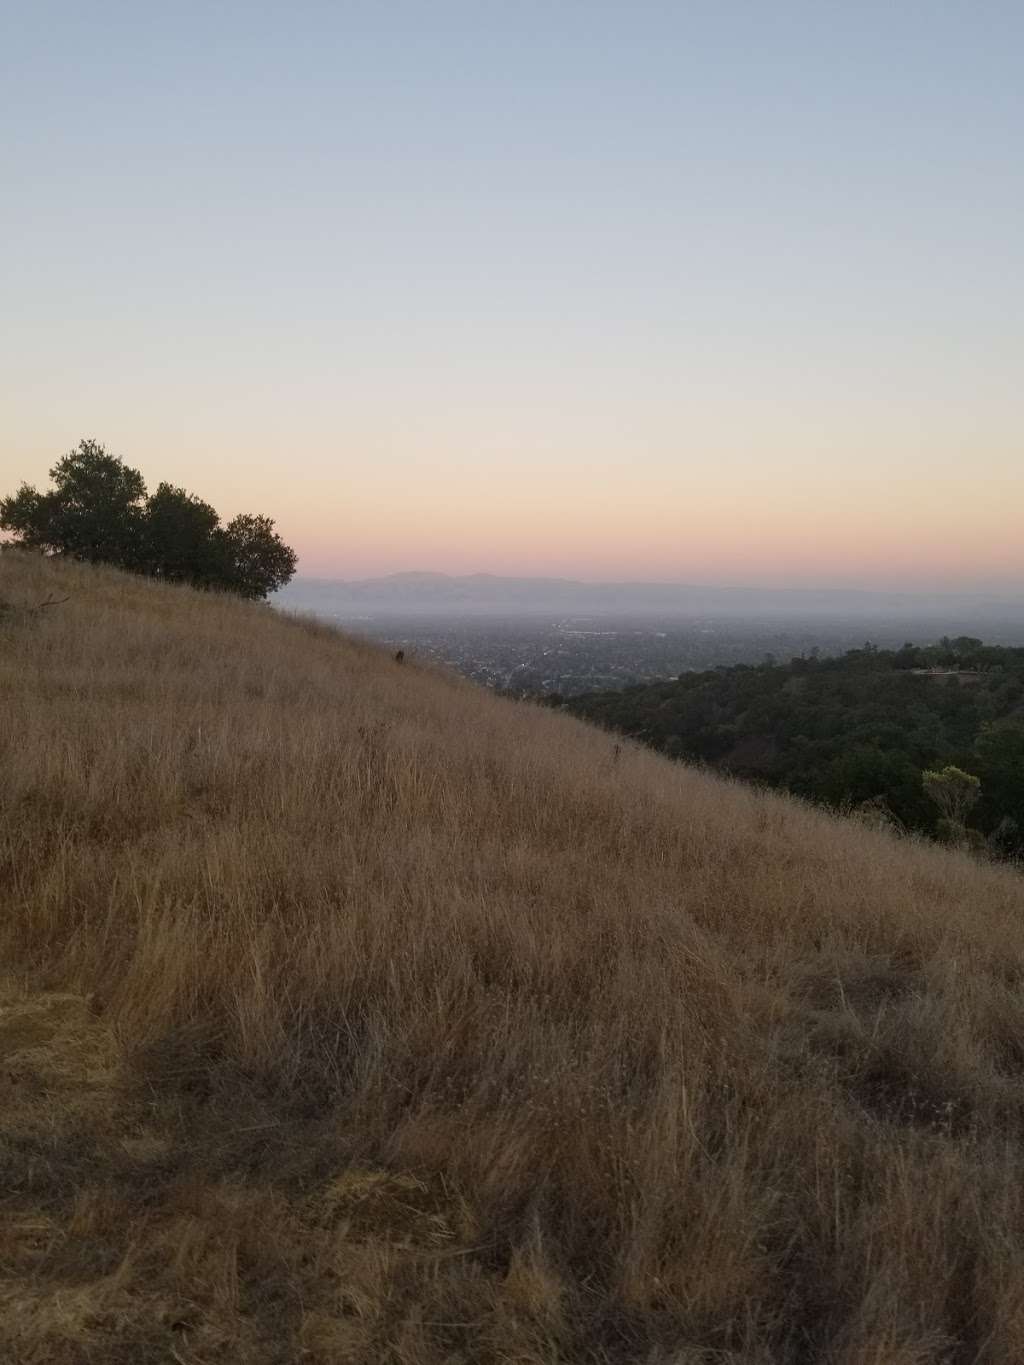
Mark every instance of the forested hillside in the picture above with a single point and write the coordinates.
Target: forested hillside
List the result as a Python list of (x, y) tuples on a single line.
[(857, 731)]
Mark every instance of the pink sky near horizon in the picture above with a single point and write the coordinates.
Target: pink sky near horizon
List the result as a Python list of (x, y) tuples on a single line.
[(715, 521)]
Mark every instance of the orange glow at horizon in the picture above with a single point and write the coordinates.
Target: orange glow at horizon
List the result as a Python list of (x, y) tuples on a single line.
[(705, 539), (788, 519)]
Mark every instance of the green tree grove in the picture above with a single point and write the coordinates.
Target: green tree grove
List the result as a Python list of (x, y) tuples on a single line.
[(98, 510)]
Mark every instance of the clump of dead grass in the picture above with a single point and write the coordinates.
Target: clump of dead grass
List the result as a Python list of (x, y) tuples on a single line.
[(391, 1021)]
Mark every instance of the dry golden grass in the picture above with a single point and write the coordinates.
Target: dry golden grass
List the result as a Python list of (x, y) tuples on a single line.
[(355, 1015)]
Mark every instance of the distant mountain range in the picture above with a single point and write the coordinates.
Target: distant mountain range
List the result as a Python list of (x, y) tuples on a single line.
[(484, 594)]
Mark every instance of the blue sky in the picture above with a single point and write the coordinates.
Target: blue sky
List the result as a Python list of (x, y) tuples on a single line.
[(726, 291)]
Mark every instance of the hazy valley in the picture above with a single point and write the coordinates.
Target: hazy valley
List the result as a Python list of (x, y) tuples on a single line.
[(542, 636)]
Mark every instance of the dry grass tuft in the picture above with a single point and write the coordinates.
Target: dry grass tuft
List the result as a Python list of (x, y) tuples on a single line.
[(356, 1015)]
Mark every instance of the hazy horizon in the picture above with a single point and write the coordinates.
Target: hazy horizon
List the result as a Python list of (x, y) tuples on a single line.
[(484, 596), (1009, 593), (710, 294)]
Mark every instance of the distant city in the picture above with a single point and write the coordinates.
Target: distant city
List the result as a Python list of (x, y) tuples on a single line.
[(523, 635)]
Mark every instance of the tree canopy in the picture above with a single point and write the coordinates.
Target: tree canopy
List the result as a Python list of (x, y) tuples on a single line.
[(927, 734), (98, 510)]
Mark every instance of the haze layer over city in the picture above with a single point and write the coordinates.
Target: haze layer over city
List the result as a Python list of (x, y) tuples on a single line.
[(548, 636)]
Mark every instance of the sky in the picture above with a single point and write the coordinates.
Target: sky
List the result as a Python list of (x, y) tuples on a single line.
[(703, 292)]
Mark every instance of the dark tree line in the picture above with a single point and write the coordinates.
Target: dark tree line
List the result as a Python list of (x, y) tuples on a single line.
[(98, 510), (867, 731)]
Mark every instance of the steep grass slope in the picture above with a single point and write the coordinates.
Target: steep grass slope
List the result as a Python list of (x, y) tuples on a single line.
[(355, 1015)]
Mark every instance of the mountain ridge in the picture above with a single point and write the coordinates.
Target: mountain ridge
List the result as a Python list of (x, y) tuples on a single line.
[(480, 592)]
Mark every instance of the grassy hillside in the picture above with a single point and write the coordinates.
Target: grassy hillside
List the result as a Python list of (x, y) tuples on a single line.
[(352, 1014)]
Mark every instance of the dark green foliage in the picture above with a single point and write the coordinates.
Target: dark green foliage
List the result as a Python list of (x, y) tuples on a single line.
[(93, 512), (28, 515), (859, 729), (179, 538), (257, 559), (98, 511)]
